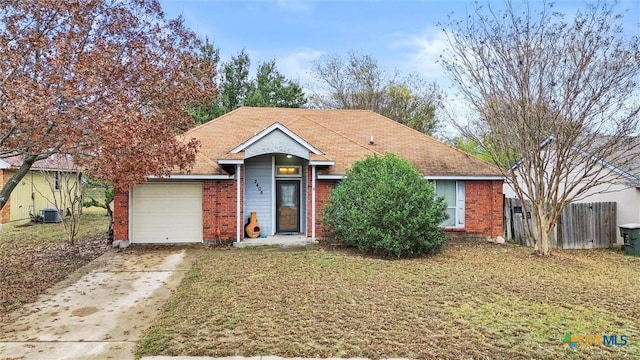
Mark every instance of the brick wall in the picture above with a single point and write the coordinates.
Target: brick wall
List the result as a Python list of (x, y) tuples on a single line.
[(5, 213), (219, 210), (121, 215), (483, 210), (323, 189)]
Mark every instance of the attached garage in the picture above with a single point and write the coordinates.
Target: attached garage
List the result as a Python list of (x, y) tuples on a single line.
[(166, 213)]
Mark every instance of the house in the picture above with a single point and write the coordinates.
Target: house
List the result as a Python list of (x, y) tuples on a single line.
[(282, 164), (620, 183), (42, 188)]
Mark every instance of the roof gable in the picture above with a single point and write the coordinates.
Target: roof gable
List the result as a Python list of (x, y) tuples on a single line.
[(623, 161), (277, 138)]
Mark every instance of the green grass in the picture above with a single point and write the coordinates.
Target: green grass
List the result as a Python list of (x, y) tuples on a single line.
[(474, 300)]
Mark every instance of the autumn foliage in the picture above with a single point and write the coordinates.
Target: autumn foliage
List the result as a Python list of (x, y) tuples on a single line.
[(106, 81)]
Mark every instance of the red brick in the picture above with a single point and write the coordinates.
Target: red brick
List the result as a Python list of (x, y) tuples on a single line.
[(121, 215), (219, 209), (5, 212), (483, 210)]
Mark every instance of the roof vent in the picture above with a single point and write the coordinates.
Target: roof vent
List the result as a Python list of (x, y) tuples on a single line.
[(371, 142)]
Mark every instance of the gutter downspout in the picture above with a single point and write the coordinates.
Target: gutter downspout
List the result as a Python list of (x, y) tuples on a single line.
[(313, 202), (238, 224)]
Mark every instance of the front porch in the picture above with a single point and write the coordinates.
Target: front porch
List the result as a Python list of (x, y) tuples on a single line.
[(278, 239)]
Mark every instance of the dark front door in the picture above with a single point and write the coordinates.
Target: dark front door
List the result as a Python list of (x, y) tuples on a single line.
[(287, 206)]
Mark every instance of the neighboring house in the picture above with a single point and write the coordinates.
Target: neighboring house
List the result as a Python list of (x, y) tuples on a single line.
[(37, 189), (282, 164), (622, 187)]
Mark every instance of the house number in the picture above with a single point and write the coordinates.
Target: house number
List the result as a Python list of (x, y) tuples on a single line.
[(255, 181)]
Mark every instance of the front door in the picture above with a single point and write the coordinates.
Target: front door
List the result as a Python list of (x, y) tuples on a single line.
[(287, 206)]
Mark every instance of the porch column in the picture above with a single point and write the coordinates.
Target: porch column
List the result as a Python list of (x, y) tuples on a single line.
[(238, 220), (313, 202)]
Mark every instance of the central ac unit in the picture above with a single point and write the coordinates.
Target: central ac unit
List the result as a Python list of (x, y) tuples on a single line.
[(50, 215)]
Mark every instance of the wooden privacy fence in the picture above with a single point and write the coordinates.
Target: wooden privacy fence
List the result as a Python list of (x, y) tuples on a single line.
[(581, 225)]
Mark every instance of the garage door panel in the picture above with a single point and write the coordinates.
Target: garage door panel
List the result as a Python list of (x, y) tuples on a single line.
[(167, 213)]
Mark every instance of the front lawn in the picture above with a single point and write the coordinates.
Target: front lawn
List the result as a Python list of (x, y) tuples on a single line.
[(474, 300)]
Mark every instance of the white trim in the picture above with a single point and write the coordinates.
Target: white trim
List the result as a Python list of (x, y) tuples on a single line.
[(329, 177), (273, 195), (463, 177), (4, 164), (193, 177), (270, 129), (230, 161), (130, 216), (238, 222), (459, 205), (602, 162), (313, 203), (322, 162), (606, 164)]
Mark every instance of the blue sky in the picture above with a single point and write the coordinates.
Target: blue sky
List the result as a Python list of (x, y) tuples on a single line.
[(402, 35)]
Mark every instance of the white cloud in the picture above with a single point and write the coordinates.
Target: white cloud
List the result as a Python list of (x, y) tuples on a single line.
[(422, 51), (296, 65)]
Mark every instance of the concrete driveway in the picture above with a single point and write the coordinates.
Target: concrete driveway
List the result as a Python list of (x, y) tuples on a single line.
[(101, 314)]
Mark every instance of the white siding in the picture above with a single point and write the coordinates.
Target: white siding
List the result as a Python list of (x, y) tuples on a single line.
[(258, 191), (274, 143)]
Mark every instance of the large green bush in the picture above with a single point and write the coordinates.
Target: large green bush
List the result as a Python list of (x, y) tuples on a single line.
[(384, 206)]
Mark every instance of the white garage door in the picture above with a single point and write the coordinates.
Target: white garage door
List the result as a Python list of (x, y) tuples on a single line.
[(166, 213)]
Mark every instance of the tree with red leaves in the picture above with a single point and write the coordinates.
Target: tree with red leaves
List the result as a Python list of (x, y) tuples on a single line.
[(105, 81)]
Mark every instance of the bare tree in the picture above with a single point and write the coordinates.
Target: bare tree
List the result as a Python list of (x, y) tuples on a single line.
[(558, 98), (66, 192), (358, 82)]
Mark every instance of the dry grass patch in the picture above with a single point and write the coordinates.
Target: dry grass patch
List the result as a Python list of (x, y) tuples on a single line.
[(473, 300), (33, 257)]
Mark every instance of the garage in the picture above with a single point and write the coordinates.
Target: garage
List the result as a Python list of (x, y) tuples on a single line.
[(166, 213)]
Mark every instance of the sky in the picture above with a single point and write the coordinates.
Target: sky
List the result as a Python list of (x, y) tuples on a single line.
[(403, 35)]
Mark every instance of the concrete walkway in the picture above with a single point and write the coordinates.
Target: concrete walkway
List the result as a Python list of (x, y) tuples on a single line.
[(284, 240), (102, 314)]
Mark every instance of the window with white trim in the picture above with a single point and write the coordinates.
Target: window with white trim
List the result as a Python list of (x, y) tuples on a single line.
[(453, 193)]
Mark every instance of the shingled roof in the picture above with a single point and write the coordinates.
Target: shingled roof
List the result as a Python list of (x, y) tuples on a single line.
[(53, 162), (342, 136)]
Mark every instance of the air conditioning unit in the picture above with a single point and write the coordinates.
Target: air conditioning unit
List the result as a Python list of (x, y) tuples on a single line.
[(50, 215)]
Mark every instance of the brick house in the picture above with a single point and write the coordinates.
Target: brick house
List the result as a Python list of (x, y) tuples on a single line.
[(282, 164)]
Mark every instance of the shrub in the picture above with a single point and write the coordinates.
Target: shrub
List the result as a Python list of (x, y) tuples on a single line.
[(384, 206)]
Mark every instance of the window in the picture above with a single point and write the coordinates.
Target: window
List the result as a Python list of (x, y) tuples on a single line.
[(453, 194), (291, 171)]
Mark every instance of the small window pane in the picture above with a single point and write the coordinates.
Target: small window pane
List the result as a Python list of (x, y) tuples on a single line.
[(288, 170), (451, 221), (447, 189)]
